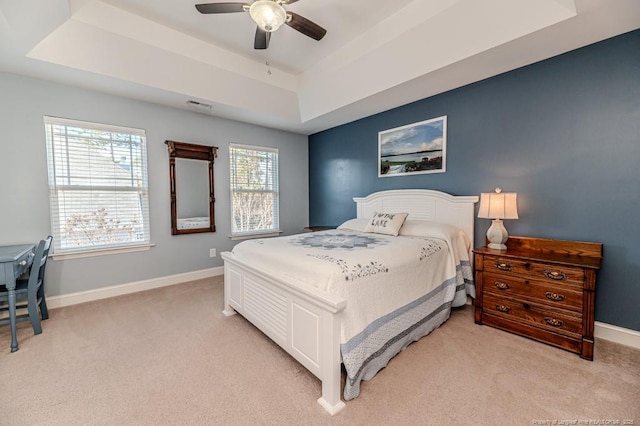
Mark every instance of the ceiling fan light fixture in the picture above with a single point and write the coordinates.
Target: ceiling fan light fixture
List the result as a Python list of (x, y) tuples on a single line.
[(268, 14)]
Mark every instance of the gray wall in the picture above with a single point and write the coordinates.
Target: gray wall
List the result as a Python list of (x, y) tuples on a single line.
[(24, 196), (563, 133)]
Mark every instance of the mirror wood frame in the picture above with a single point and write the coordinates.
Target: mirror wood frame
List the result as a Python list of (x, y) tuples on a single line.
[(194, 152)]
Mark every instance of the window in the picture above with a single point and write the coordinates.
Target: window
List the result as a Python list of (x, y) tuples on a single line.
[(98, 186), (254, 190)]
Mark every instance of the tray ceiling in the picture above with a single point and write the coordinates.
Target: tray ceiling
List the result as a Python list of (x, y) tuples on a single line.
[(376, 55)]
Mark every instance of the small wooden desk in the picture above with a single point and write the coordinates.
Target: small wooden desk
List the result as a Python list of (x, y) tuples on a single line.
[(14, 261)]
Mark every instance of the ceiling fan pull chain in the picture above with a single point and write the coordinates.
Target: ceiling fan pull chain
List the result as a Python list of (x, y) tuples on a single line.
[(268, 66)]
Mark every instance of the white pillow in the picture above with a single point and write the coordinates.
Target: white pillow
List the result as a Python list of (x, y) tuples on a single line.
[(426, 228), (355, 224), (386, 223)]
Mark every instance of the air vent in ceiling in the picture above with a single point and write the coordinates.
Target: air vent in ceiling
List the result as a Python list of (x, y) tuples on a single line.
[(200, 106)]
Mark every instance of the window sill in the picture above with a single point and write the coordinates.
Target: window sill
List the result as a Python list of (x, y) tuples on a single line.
[(100, 252), (249, 236)]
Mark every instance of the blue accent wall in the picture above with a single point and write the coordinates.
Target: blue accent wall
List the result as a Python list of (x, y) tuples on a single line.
[(563, 133)]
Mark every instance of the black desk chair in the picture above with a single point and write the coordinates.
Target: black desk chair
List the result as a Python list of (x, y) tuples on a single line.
[(30, 291)]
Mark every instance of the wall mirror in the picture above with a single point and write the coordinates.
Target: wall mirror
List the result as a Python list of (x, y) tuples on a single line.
[(191, 184)]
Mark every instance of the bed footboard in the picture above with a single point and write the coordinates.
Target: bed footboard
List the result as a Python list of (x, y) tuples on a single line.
[(301, 319)]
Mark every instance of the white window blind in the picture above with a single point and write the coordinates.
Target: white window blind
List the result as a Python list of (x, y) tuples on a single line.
[(98, 185), (254, 190)]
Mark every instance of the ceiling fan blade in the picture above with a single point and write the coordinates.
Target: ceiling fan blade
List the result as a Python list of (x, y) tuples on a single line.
[(305, 26), (221, 7), (261, 40)]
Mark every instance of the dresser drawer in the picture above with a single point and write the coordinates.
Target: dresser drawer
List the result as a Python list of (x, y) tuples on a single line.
[(571, 343), (543, 292), (540, 271), (541, 316)]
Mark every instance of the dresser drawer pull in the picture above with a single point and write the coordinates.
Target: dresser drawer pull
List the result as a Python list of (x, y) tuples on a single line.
[(503, 308), (554, 296), (23, 263), (503, 266), (554, 322), (555, 275), (502, 286)]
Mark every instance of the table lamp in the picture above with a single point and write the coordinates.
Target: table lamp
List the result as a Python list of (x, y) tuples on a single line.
[(497, 206)]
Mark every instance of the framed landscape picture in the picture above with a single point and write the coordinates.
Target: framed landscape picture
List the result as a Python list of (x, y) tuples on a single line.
[(413, 149)]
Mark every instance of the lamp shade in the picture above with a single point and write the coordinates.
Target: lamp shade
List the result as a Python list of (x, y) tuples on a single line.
[(268, 14), (498, 205)]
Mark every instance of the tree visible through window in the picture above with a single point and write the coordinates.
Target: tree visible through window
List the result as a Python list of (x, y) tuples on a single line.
[(98, 185), (254, 190)]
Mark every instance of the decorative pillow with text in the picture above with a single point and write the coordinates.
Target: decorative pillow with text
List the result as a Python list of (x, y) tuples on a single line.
[(386, 223)]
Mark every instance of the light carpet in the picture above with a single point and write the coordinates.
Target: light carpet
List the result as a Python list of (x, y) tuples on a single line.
[(169, 356)]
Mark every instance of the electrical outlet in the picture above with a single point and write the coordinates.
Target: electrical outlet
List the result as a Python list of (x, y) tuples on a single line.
[(212, 252)]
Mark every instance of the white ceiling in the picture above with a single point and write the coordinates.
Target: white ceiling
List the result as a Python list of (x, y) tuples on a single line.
[(377, 54)]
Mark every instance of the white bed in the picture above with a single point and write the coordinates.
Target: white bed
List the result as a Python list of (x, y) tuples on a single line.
[(306, 314)]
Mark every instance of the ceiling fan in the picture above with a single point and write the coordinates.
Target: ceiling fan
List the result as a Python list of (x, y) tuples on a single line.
[(269, 15)]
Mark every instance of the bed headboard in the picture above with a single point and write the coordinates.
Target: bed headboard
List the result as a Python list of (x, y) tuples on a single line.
[(423, 204)]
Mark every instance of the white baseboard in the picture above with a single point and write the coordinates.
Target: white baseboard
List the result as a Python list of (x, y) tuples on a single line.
[(616, 334), (623, 336), (134, 287)]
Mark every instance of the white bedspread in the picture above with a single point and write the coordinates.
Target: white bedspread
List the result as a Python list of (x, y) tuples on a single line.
[(375, 273)]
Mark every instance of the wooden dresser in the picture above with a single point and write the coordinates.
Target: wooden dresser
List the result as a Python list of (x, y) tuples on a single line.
[(540, 288)]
